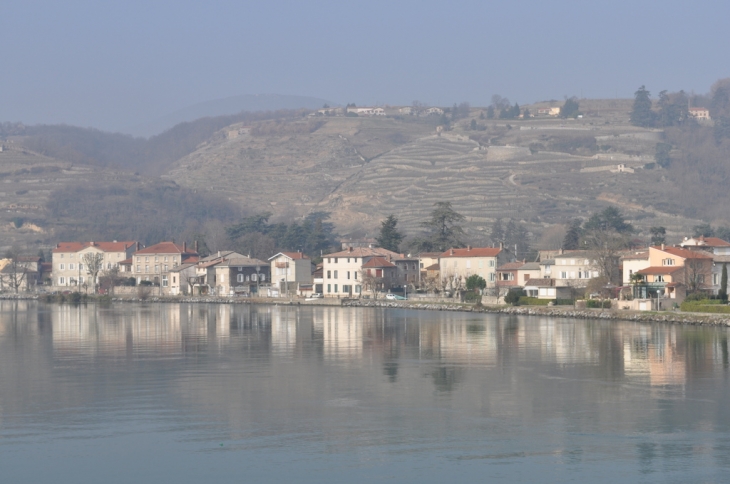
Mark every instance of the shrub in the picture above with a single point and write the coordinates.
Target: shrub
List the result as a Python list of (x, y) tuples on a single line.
[(702, 307), (472, 297), (595, 303), (513, 296), (533, 301), (74, 298)]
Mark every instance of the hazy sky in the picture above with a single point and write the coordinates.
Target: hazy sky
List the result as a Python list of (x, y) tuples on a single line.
[(114, 64)]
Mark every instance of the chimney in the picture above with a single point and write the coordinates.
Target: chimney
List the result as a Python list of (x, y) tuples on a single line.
[(219, 252), (185, 246), (196, 247), (137, 248), (468, 248), (501, 245), (560, 251), (702, 238), (91, 243), (452, 251), (349, 249), (662, 246)]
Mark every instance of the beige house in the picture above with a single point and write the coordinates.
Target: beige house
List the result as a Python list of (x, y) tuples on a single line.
[(155, 262), (456, 265), (68, 264), (242, 276), (700, 114), (573, 268), (289, 270), (183, 279), (633, 263), (343, 271)]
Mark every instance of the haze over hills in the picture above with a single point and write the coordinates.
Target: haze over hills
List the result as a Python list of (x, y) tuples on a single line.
[(226, 106), (200, 176)]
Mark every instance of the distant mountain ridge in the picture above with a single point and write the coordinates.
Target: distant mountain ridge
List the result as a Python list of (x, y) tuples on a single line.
[(225, 106)]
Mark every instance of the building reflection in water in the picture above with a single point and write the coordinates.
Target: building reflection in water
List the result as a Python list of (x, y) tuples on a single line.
[(656, 354)]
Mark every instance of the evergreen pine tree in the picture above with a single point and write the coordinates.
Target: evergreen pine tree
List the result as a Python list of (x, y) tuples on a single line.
[(389, 237), (571, 241), (641, 113), (723, 283)]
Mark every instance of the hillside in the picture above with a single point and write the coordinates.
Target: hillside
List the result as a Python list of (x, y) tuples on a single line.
[(540, 171)]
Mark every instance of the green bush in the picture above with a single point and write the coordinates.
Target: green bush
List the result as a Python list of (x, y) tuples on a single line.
[(697, 296), (472, 297), (704, 307), (74, 298), (564, 302), (533, 301), (513, 296), (595, 303)]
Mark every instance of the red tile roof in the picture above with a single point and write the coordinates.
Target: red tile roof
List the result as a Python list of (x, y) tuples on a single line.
[(472, 252), (685, 253), (378, 262), (715, 242), (510, 266), (659, 270), (103, 246), (294, 255), (540, 282)]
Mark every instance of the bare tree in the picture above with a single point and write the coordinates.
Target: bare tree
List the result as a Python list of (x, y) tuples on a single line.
[(373, 283), (111, 278), (15, 271), (697, 273), (94, 264), (605, 246)]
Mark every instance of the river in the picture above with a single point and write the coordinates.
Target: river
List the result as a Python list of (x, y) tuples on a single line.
[(243, 393)]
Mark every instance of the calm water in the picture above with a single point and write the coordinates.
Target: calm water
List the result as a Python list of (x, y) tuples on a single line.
[(216, 393)]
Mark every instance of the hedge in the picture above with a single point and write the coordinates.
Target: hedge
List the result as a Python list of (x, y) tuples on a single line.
[(704, 307), (595, 303), (533, 301)]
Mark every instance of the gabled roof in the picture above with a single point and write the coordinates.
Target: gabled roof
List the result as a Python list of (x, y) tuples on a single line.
[(182, 267), (243, 262), (530, 266), (364, 252), (511, 266), (539, 282), (705, 242), (291, 255), (126, 262), (166, 248), (430, 255), (472, 252), (378, 262), (684, 253), (659, 270), (221, 254), (102, 246), (433, 267)]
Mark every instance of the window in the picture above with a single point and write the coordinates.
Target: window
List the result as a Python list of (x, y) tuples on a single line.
[(146, 268), (667, 262), (563, 275), (253, 277), (164, 280), (146, 258), (108, 266), (348, 274), (71, 267), (329, 261), (468, 264), (378, 272), (335, 273), (138, 269), (157, 268), (157, 259), (346, 289), (81, 267), (659, 278), (481, 264), (358, 289), (348, 260), (223, 278), (491, 277), (329, 288), (355, 273), (355, 260), (262, 277), (61, 280), (165, 267), (61, 266), (81, 279), (335, 287), (491, 263), (329, 274), (239, 278), (174, 279), (715, 279), (335, 260), (165, 258)]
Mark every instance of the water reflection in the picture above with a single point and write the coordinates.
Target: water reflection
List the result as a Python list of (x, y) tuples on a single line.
[(473, 387)]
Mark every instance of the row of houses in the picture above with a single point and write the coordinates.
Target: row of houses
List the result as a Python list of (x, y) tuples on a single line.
[(379, 111), (174, 269)]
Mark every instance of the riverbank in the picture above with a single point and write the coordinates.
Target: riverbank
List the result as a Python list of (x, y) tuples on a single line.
[(672, 317)]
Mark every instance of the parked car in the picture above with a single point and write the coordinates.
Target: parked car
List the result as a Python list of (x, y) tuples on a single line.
[(316, 295), (394, 297)]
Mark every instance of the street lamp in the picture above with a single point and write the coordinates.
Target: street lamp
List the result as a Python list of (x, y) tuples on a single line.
[(258, 276)]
